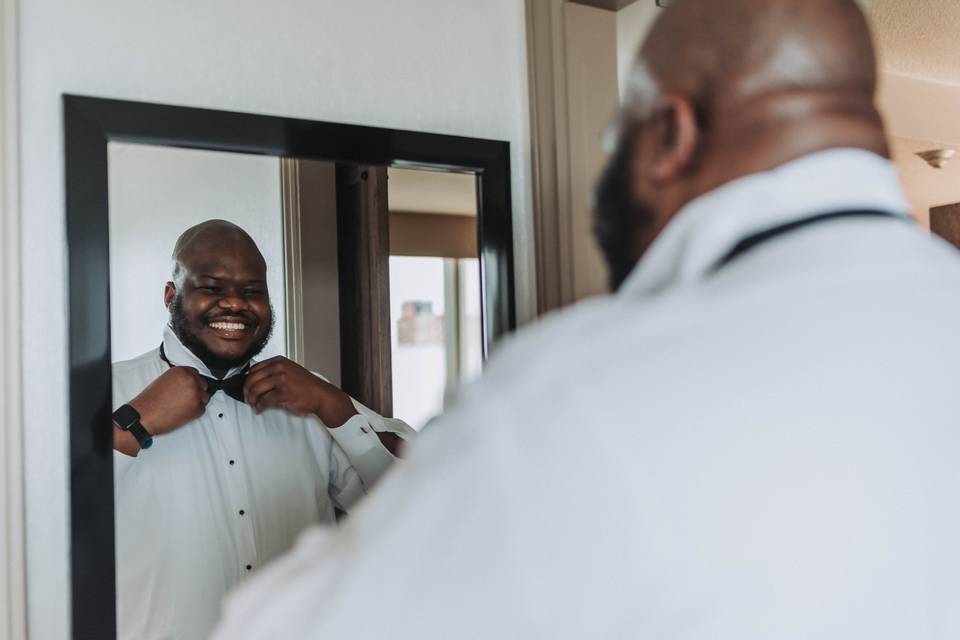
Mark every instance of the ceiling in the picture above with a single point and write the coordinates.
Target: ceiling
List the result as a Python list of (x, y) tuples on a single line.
[(919, 37), (431, 191)]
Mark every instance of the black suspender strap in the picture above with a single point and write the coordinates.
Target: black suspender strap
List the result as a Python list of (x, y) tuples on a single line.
[(755, 239)]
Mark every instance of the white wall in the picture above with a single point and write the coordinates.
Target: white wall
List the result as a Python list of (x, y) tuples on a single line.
[(13, 582), (446, 66), (157, 193)]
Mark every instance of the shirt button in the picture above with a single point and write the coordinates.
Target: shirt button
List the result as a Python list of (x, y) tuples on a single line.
[(231, 462), (242, 511), (249, 566), (219, 415)]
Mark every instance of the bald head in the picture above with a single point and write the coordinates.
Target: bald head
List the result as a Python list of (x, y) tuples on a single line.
[(218, 299), (722, 89), (210, 238), (727, 54)]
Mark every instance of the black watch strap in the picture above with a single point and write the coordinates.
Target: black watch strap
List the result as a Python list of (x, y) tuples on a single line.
[(142, 435), (128, 419)]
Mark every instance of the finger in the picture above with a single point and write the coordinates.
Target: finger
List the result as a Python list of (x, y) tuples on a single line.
[(267, 363), (255, 383), (276, 374), (272, 398), (193, 375), (204, 396), (254, 377), (277, 367), (252, 394)]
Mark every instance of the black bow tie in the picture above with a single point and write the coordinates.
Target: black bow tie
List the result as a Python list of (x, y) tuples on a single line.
[(232, 386)]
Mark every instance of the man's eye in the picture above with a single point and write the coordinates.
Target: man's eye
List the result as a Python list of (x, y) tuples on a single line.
[(210, 289), (254, 292)]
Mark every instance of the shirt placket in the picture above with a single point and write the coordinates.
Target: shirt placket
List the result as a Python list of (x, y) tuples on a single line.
[(223, 410)]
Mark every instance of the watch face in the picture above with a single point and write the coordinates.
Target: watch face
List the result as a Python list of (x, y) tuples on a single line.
[(125, 416)]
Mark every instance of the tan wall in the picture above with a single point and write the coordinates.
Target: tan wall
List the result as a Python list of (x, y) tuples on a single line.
[(921, 115), (925, 186), (432, 234)]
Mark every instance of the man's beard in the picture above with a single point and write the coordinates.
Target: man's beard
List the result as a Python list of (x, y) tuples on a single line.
[(181, 328), (618, 217)]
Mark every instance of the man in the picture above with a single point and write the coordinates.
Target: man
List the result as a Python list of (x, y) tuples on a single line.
[(237, 459), (752, 439)]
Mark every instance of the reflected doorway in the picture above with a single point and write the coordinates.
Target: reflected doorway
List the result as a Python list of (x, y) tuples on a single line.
[(436, 333)]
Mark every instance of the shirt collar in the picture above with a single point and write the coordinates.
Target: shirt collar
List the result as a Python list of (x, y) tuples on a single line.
[(709, 226), (181, 356)]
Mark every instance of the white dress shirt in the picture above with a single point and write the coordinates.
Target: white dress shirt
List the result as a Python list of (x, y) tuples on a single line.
[(767, 451), (211, 502)]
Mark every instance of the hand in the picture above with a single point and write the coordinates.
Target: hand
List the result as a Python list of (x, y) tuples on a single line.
[(175, 398), (279, 382)]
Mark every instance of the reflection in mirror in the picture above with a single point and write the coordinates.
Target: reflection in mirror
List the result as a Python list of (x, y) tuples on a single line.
[(434, 289), (157, 193), (228, 457)]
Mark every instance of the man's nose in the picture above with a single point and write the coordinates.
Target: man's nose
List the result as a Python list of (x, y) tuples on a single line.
[(232, 301)]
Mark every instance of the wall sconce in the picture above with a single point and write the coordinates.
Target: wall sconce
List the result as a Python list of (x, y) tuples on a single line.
[(937, 158)]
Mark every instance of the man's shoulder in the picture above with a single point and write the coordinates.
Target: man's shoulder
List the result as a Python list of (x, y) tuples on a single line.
[(540, 345), (144, 359), (131, 376)]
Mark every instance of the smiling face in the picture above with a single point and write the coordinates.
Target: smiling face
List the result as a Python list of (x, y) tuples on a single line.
[(219, 303)]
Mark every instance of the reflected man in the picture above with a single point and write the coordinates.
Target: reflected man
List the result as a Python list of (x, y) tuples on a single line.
[(222, 461)]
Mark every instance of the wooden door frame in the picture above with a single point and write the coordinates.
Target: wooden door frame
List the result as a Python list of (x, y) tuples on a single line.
[(363, 298), (549, 136), (363, 241), (293, 262), (566, 266)]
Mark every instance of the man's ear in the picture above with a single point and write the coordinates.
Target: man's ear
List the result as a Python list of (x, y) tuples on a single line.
[(169, 290), (676, 136)]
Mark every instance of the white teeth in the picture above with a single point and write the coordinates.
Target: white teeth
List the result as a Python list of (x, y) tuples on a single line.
[(227, 326)]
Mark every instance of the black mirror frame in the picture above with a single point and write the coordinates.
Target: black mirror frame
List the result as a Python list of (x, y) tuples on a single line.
[(91, 123)]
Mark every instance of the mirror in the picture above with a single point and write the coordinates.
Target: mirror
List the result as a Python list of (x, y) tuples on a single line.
[(227, 491), (381, 259)]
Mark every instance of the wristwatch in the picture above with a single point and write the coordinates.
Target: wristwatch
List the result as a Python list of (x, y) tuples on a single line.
[(128, 419)]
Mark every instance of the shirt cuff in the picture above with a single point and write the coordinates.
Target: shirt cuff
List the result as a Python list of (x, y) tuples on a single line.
[(367, 455)]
